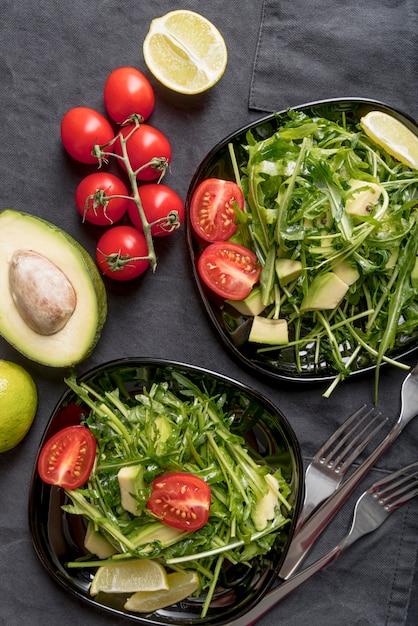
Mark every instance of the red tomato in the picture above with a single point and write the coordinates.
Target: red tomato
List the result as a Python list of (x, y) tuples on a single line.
[(228, 269), (81, 129), (180, 500), (213, 209), (95, 201), (144, 144), (128, 92), (163, 208), (68, 457), (120, 253)]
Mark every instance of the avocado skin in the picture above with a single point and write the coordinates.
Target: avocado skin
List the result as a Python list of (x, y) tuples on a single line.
[(93, 277)]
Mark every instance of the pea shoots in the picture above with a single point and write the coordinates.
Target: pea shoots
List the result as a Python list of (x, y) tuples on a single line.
[(158, 431), (304, 186)]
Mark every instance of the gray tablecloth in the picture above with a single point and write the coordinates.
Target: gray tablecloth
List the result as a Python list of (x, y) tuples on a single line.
[(55, 55)]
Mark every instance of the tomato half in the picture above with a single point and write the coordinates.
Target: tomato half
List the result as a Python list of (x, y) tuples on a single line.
[(68, 457), (128, 92), (81, 129), (213, 209), (121, 252), (98, 198), (228, 269), (145, 144), (163, 208), (180, 500)]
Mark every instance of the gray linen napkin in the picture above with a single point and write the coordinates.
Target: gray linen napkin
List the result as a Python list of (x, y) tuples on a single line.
[(316, 49)]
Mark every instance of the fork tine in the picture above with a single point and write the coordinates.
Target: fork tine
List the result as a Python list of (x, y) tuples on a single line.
[(324, 449), (398, 488), (364, 441)]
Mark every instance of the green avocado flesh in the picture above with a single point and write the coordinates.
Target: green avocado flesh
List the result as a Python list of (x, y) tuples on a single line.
[(76, 339)]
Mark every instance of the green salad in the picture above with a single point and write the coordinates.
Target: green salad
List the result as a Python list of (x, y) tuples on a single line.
[(193, 432), (332, 219)]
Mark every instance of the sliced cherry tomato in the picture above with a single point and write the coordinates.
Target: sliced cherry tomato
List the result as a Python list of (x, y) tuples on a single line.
[(180, 500), (81, 129), (213, 209), (121, 252), (163, 208), (128, 92), (98, 200), (68, 457), (228, 269), (145, 144)]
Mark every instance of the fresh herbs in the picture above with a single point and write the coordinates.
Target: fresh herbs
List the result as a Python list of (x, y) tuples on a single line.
[(189, 429), (303, 186)]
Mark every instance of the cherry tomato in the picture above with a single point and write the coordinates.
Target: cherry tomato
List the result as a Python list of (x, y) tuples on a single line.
[(68, 457), (128, 92), (81, 129), (161, 205), (144, 144), (120, 253), (180, 500), (213, 209), (228, 269), (95, 202)]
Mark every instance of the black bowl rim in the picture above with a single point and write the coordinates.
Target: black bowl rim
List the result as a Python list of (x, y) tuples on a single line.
[(257, 368), (41, 550)]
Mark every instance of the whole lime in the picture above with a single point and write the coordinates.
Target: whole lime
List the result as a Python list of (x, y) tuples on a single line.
[(18, 403)]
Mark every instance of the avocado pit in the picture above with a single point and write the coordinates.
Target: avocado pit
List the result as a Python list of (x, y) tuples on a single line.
[(43, 295)]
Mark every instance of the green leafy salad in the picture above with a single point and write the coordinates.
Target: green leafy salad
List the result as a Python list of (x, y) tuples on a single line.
[(144, 436), (332, 219)]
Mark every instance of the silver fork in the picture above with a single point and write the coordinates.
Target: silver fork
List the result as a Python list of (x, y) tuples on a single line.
[(330, 464), (372, 508), (309, 532)]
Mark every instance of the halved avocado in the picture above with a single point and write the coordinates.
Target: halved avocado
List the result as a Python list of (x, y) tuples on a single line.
[(21, 235)]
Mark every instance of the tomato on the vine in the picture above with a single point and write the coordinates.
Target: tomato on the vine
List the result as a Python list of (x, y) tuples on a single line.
[(67, 458), (128, 92), (81, 129), (144, 144), (163, 208), (121, 253), (213, 209), (229, 269), (102, 198), (180, 500)]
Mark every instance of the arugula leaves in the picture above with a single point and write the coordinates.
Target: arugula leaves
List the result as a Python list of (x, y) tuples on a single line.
[(297, 185)]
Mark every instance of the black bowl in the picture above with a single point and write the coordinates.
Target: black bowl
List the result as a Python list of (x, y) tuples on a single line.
[(233, 328), (58, 536)]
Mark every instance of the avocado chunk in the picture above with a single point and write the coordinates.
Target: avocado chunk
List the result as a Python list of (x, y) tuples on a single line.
[(325, 292), (288, 270), (363, 196), (130, 479), (95, 543), (251, 305), (53, 301), (265, 507), (269, 331), (346, 272)]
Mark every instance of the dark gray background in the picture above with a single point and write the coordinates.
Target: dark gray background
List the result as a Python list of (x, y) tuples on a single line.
[(56, 55)]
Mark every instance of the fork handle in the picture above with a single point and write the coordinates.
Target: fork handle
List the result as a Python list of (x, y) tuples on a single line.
[(279, 593), (307, 535)]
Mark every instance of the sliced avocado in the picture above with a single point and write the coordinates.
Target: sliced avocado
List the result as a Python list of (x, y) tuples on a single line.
[(54, 340), (164, 430), (131, 480), (392, 259), (414, 275), (269, 331), (325, 292), (251, 305), (156, 531), (265, 508), (360, 203), (346, 272), (96, 544), (288, 270)]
